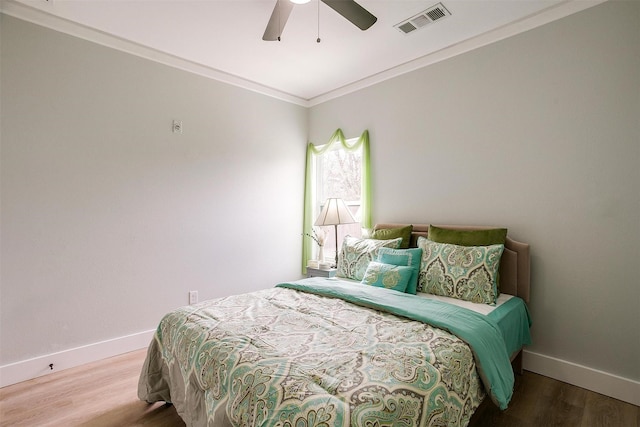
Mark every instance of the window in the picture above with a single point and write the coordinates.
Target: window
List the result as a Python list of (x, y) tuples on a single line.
[(340, 169), (338, 173)]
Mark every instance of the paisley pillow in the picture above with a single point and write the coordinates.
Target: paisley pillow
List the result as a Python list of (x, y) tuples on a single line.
[(356, 254), (463, 272), (406, 257), (486, 237), (387, 276)]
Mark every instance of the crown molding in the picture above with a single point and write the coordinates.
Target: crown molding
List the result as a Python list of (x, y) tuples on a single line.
[(36, 16), (47, 20), (541, 18)]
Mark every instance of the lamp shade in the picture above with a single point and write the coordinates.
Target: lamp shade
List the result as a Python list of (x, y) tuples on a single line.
[(335, 212)]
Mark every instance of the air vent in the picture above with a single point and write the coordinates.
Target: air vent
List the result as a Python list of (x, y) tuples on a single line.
[(422, 19)]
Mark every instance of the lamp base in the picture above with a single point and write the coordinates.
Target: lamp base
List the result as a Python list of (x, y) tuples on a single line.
[(335, 228)]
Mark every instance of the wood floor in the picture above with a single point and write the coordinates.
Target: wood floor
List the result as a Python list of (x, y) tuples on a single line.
[(103, 394)]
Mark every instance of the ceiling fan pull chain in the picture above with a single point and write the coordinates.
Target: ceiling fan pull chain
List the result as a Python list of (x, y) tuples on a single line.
[(318, 39), (279, 25)]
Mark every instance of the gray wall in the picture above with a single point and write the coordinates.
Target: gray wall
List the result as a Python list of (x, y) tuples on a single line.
[(540, 133), (108, 218)]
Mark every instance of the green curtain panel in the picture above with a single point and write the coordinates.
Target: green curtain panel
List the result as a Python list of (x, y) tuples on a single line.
[(365, 207)]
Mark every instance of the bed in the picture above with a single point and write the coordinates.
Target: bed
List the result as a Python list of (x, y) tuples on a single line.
[(359, 349)]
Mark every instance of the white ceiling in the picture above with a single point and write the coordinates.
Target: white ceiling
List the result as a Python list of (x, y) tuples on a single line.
[(223, 38)]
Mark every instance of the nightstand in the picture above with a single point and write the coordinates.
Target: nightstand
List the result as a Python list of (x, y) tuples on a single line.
[(316, 272)]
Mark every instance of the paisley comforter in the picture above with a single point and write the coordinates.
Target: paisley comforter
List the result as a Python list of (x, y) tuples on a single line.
[(323, 352)]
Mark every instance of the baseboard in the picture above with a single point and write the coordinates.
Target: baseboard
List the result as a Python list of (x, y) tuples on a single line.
[(39, 366), (591, 379)]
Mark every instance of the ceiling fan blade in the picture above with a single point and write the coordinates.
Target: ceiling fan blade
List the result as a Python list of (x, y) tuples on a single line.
[(353, 12), (279, 17)]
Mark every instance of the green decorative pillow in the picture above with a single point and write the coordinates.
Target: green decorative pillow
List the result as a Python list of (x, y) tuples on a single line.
[(404, 257), (493, 236), (387, 276), (356, 254), (463, 272), (393, 233)]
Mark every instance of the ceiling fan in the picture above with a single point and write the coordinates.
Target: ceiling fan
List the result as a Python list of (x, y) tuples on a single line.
[(349, 9)]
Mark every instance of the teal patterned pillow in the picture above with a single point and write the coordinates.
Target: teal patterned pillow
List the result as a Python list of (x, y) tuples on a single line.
[(356, 254), (387, 276), (406, 257), (463, 272)]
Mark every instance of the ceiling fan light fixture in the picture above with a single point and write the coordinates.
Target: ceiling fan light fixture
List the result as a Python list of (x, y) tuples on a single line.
[(300, 1)]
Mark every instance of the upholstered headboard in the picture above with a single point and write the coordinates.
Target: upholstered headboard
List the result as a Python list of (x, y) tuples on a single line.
[(514, 265)]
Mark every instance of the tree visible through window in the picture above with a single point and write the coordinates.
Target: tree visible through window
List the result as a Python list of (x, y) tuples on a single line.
[(339, 174)]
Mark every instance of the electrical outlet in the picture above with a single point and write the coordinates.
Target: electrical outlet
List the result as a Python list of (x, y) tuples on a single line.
[(177, 126), (193, 297)]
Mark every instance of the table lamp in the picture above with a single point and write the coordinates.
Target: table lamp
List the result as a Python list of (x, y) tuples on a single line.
[(335, 212)]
